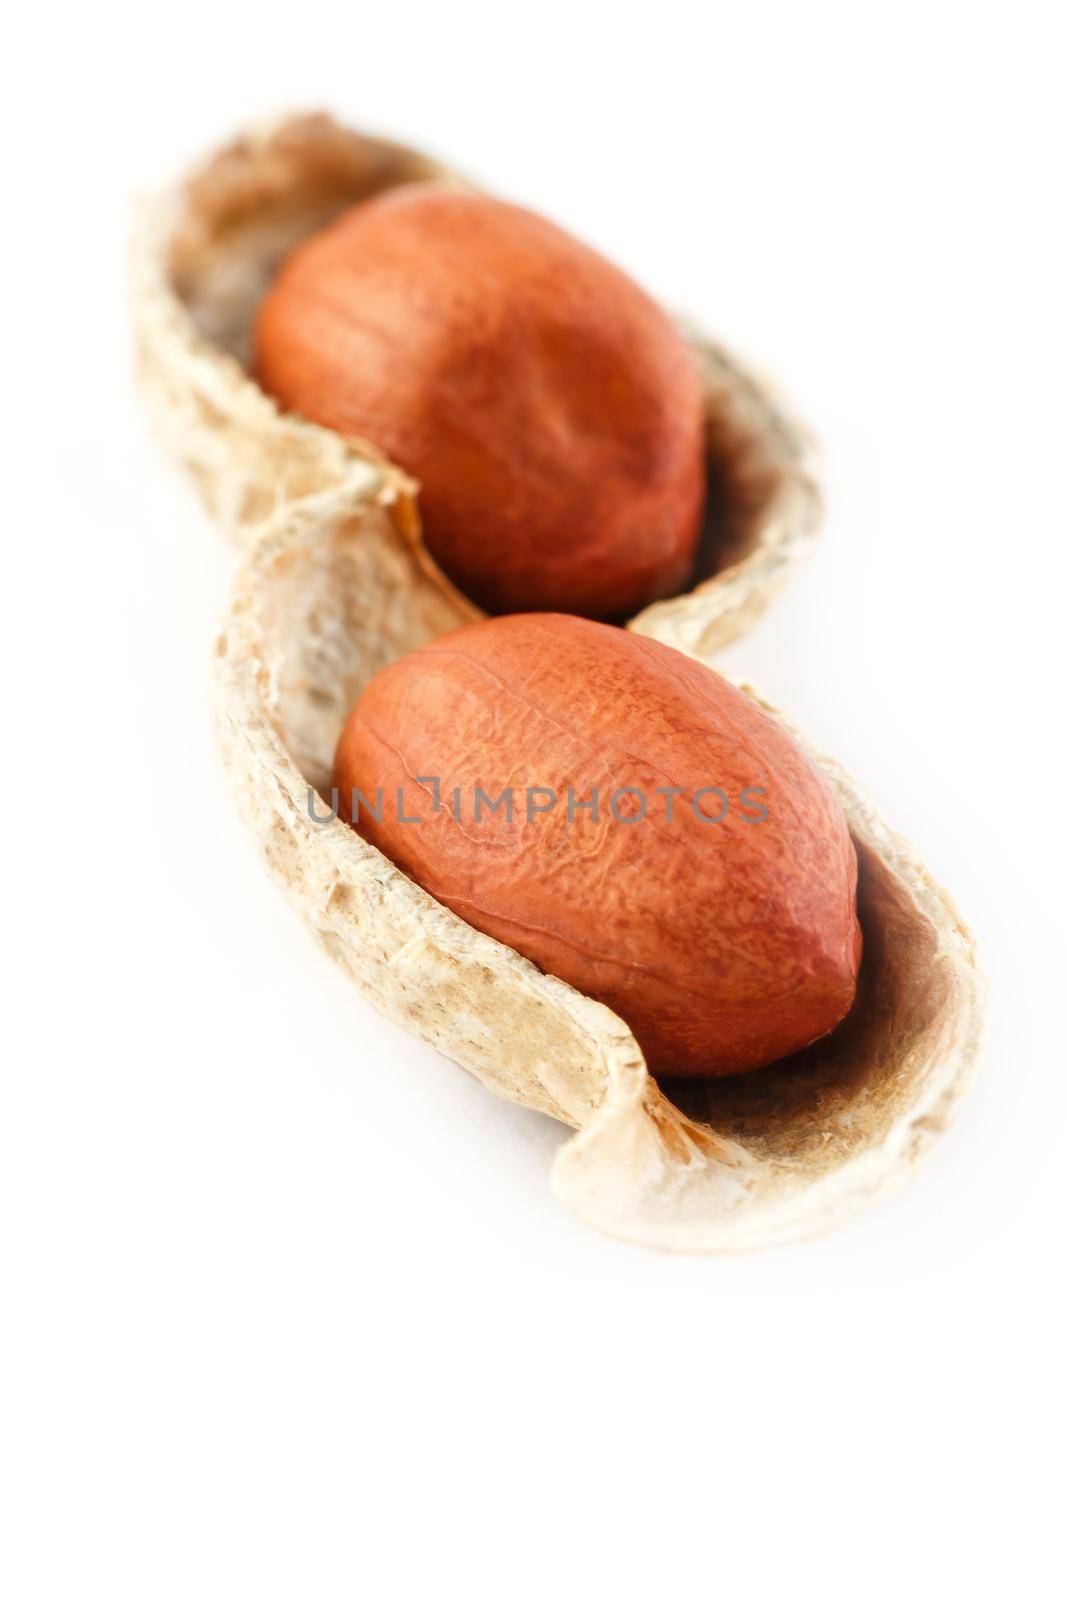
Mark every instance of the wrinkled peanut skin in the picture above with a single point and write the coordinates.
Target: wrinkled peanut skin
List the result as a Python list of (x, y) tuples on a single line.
[(549, 409), (724, 945)]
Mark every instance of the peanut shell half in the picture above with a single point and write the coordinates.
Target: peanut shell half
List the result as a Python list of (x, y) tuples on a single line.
[(203, 256), (332, 591)]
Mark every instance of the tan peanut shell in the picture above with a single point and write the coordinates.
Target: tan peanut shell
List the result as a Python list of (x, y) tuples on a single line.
[(203, 256), (334, 590)]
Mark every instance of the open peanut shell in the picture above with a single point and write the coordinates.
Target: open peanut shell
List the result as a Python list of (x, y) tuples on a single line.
[(203, 257), (334, 590)]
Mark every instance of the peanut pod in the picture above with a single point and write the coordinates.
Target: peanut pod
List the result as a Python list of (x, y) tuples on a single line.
[(335, 589), (203, 256)]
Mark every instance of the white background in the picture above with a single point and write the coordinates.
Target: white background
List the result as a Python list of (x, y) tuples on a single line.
[(289, 1310)]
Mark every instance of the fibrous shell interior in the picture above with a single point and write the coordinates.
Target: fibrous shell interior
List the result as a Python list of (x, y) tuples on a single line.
[(334, 591)]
